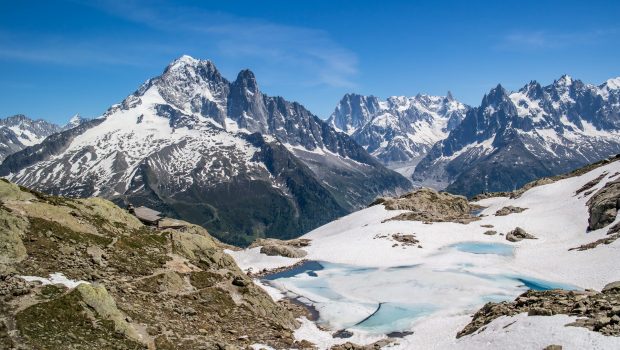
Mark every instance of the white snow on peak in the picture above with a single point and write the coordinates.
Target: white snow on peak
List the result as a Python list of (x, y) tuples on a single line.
[(185, 59), (565, 80), (410, 125), (74, 121), (613, 84)]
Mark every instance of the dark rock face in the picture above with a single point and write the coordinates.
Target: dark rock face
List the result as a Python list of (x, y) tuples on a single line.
[(400, 129), (220, 154), (512, 139), (599, 311)]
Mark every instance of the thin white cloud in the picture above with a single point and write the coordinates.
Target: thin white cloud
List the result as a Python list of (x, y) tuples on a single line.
[(311, 52), (54, 49), (543, 40)]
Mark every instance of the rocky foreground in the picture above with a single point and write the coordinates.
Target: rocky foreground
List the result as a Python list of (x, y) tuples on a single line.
[(596, 311), (143, 287)]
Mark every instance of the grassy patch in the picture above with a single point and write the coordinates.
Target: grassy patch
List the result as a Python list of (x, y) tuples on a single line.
[(65, 320), (54, 200), (204, 279), (140, 252), (41, 227)]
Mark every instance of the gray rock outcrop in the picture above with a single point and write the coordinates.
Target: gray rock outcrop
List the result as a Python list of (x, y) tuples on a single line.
[(518, 234)]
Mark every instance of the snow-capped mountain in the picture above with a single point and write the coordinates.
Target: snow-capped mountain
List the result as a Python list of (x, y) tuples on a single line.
[(217, 153), (75, 121), (18, 132), (399, 129), (514, 138)]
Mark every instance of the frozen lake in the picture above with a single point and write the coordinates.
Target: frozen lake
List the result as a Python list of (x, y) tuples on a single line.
[(459, 279)]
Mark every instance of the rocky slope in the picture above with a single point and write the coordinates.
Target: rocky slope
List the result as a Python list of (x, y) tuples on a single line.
[(220, 154), (18, 132), (399, 129), (85, 274), (597, 311), (514, 138)]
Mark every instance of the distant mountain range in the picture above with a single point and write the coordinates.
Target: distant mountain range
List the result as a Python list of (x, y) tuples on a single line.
[(18, 132), (514, 138), (221, 154), (399, 129), (224, 155)]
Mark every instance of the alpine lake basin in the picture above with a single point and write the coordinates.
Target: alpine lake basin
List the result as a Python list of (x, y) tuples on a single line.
[(389, 300)]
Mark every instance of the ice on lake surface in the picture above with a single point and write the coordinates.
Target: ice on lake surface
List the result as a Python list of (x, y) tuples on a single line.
[(391, 299), (485, 248)]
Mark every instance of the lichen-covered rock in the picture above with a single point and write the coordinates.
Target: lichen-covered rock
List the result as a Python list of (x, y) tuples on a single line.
[(12, 230), (429, 205), (595, 311), (276, 247), (509, 210), (97, 297), (282, 250), (603, 206), (171, 288), (518, 234)]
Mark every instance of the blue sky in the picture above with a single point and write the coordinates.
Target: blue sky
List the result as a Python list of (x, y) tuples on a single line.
[(58, 58)]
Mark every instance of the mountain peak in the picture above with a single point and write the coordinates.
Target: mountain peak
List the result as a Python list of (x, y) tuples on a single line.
[(565, 80), (189, 65), (76, 120), (613, 83), (247, 79), (449, 96), (495, 95), (185, 59)]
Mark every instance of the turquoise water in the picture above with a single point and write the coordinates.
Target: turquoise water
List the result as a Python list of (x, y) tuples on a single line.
[(390, 317), (390, 299), (538, 284), (485, 248), (308, 267)]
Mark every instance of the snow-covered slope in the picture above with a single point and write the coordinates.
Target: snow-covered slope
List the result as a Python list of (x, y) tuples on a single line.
[(513, 138), (18, 132), (216, 153), (434, 286), (399, 129)]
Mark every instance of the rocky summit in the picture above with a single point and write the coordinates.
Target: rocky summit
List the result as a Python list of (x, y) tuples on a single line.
[(217, 153)]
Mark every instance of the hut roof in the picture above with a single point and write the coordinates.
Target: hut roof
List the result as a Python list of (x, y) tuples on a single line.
[(147, 214)]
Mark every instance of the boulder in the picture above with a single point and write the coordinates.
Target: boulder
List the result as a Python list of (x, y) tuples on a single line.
[(282, 250), (611, 286), (509, 210), (518, 234), (429, 205), (603, 206), (277, 247)]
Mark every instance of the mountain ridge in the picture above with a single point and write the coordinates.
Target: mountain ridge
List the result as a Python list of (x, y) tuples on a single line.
[(514, 138), (184, 144), (400, 128)]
